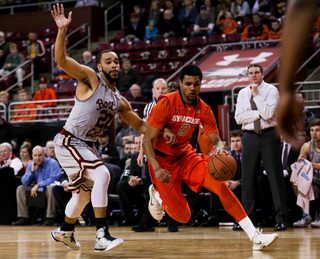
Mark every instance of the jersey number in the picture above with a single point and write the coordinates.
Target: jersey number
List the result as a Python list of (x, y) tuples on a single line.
[(104, 120), (184, 130)]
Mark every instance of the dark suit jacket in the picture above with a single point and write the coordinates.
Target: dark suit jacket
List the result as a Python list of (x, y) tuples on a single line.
[(139, 32), (236, 176), (292, 157)]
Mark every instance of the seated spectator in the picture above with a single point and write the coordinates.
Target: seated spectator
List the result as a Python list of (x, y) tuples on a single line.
[(127, 76), (62, 76), (87, 60), (4, 99), (316, 29), (211, 8), (188, 14), (278, 9), (275, 32), (135, 91), (169, 27), (240, 9), (25, 111), (151, 30), (8, 159), (142, 14), (256, 30), (4, 45), (228, 24), (135, 30), (25, 155), (2, 58), (127, 151), (303, 135), (50, 149), (155, 14), (170, 5), (106, 150), (307, 114), (40, 175), (36, 51), (309, 152), (44, 93), (204, 23), (13, 60)]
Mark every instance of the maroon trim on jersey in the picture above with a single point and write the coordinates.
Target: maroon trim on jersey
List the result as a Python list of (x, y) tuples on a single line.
[(83, 164)]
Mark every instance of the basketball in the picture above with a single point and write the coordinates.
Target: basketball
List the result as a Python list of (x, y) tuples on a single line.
[(222, 167)]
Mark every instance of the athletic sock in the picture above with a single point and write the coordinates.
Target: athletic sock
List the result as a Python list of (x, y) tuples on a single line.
[(101, 222), (248, 227), (66, 226)]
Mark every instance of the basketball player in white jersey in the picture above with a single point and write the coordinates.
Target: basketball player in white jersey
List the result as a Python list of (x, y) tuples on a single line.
[(96, 103)]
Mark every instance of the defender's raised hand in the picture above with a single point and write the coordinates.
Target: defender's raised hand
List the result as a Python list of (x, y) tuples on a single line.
[(58, 16)]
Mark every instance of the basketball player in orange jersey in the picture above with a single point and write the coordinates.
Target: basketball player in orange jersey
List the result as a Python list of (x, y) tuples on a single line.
[(181, 112)]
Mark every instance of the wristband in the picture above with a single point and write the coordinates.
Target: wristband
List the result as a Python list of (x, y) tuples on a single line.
[(157, 169)]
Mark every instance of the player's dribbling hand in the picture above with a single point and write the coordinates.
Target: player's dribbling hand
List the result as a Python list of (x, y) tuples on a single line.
[(58, 15), (163, 175)]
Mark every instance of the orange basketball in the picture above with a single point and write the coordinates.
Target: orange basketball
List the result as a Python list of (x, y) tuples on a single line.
[(222, 167)]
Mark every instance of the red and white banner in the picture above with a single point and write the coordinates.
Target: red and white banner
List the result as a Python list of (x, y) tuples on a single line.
[(224, 70)]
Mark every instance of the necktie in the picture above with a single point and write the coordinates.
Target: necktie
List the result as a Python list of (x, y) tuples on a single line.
[(285, 157), (256, 122), (239, 166)]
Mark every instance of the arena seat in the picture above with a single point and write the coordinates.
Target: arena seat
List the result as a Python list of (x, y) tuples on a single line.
[(156, 44), (196, 41)]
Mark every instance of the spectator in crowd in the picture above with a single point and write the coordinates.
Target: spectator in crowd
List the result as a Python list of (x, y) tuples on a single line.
[(14, 60), (173, 86), (87, 60), (25, 155), (309, 151), (211, 8), (137, 96), (44, 93), (135, 30), (151, 30), (228, 24), (256, 30), (142, 14), (204, 23), (4, 45), (43, 171), (106, 150), (262, 7), (9, 159), (240, 9), (36, 51), (62, 76), (50, 149), (307, 114), (224, 6), (127, 152), (169, 27), (276, 31), (255, 110), (127, 76), (188, 14), (4, 99), (316, 29), (278, 9), (170, 5), (25, 111), (303, 135), (154, 13)]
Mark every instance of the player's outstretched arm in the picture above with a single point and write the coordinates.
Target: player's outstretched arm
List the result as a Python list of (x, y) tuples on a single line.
[(69, 65), (298, 23), (131, 118)]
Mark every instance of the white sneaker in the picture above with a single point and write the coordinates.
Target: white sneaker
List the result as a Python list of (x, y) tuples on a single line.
[(304, 222), (154, 206), (316, 222), (66, 237), (106, 242), (261, 241)]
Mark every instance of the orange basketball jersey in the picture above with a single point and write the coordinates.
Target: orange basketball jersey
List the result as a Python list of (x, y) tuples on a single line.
[(173, 113)]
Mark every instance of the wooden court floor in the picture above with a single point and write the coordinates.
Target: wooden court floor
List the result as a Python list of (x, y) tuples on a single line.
[(216, 242)]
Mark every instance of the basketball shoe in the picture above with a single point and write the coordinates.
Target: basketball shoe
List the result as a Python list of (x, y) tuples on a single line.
[(104, 241), (66, 237), (154, 206), (261, 241)]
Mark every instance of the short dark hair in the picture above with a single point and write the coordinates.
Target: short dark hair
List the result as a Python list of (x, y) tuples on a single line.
[(102, 52), (315, 122), (190, 70), (255, 65), (236, 133), (302, 93)]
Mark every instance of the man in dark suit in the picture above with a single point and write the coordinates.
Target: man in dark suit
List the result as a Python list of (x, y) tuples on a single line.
[(288, 157), (135, 30)]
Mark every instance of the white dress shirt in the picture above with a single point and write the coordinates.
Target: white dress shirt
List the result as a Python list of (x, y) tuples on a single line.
[(266, 101)]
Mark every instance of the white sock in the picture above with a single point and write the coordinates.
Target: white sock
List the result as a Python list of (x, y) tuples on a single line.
[(157, 196), (248, 227)]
